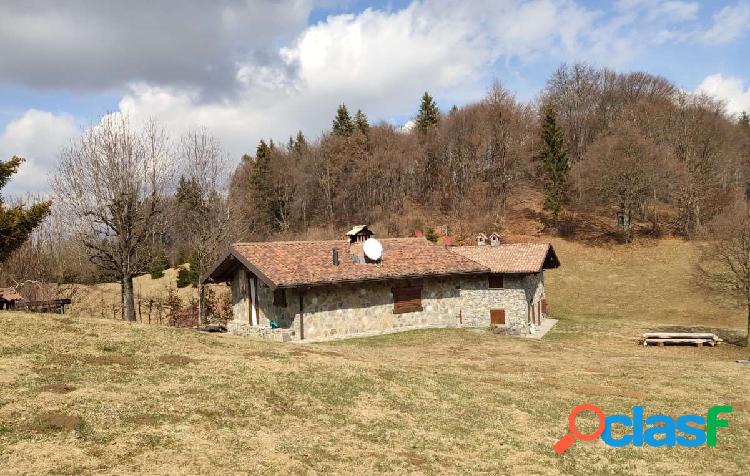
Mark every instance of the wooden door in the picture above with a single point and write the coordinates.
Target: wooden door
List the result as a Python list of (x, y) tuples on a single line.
[(497, 316)]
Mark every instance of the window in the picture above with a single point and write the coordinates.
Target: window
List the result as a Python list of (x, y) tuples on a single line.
[(279, 297), (407, 299), (496, 281)]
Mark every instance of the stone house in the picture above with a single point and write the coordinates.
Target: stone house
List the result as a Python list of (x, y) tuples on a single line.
[(322, 290)]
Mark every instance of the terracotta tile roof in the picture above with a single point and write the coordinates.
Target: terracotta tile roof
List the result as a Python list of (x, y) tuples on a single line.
[(512, 258), (298, 263), (8, 294)]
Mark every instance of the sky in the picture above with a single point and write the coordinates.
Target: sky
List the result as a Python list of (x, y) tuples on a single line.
[(253, 69)]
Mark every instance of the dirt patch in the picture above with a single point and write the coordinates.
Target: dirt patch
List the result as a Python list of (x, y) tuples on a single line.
[(57, 421), (144, 420), (500, 368), (492, 380), (599, 390), (307, 350), (57, 388), (109, 360), (740, 405), (172, 359), (413, 458)]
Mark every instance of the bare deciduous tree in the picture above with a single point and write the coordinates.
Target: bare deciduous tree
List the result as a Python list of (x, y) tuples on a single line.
[(622, 169), (724, 264), (203, 221), (112, 184)]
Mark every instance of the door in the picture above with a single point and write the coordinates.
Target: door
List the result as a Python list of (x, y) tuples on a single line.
[(497, 317)]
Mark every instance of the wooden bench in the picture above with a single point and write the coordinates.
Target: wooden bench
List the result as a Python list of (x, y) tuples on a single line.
[(661, 339)]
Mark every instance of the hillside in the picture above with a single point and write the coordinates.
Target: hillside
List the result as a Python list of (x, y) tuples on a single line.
[(86, 395)]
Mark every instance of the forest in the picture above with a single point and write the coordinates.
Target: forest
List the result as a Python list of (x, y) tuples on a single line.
[(633, 149)]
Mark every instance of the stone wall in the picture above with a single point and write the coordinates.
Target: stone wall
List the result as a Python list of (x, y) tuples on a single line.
[(361, 309), (367, 309)]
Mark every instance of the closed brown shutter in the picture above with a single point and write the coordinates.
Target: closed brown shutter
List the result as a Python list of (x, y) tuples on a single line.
[(407, 299), (497, 316), (544, 307)]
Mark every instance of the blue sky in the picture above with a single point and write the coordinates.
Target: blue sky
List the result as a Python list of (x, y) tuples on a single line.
[(247, 70)]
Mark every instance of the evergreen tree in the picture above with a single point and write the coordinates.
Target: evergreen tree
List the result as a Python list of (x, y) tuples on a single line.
[(260, 180), (744, 120), (157, 267), (360, 122), (17, 223), (297, 144), (429, 115), (554, 165), (342, 124), (184, 277)]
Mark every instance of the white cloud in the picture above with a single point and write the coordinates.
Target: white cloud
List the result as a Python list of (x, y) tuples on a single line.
[(729, 23), (37, 136), (728, 89), (380, 61)]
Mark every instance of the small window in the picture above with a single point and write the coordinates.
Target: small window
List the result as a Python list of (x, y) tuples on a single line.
[(496, 281), (407, 299), (279, 297)]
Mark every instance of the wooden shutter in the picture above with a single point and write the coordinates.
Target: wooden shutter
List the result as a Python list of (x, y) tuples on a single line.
[(496, 281), (497, 316), (407, 299), (544, 307)]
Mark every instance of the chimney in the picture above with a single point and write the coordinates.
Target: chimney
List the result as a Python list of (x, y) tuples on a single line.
[(335, 256), (494, 239)]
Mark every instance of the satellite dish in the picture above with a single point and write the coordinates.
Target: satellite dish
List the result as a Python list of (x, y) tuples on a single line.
[(373, 249)]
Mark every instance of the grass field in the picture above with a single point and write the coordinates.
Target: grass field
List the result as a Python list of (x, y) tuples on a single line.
[(84, 395)]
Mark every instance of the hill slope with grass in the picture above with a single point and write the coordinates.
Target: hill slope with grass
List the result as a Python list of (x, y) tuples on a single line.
[(87, 395)]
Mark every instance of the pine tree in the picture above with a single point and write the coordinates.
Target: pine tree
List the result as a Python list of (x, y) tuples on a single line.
[(17, 223), (360, 122), (260, 180), (342, 124), (554, 165), (429, 115), (297, 144), (744, 120)]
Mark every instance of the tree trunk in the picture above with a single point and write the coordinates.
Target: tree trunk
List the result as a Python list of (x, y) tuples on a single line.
[(128, 302), (201, 304), (747, 339)]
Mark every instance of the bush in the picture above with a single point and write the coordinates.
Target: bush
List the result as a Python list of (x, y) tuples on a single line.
[(431, 235)]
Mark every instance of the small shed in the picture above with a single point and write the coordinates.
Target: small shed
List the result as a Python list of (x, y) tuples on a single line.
[(8, 298)]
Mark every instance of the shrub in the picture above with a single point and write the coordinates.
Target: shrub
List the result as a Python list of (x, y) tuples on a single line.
[(431, 235)]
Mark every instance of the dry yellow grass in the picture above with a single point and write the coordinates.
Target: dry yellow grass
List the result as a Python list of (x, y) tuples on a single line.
[(82, 395), (103, 300)]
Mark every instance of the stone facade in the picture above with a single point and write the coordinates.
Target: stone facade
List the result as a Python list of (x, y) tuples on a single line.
[(366, 308)]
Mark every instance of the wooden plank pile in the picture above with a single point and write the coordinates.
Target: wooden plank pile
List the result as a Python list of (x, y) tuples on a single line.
[(699, 339)]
